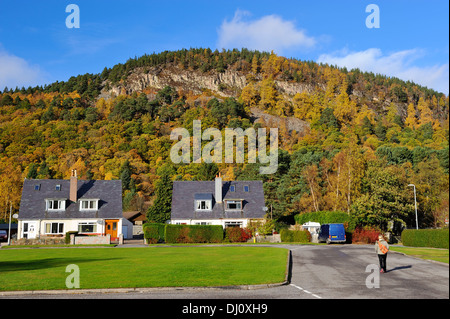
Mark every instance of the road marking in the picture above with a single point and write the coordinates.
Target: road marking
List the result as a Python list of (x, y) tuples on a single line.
[(307, 291)]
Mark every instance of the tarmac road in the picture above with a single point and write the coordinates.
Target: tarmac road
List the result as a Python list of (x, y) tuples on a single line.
[(316, 272)]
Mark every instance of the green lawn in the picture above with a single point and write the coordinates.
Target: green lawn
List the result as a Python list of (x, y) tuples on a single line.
[(424, 253), (41, 269)]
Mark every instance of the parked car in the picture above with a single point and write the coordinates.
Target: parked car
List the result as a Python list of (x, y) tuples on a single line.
[(3, 235), (332, 233)]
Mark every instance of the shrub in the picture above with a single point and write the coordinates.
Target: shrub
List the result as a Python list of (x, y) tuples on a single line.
[(193, 234), (295, 236), (237, 234), (67, 238), (366, 235), (435, 238), (324, 217), (154, 232)]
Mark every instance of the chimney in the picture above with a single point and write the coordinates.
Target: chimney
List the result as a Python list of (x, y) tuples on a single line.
[(218, 188), (73, 186)]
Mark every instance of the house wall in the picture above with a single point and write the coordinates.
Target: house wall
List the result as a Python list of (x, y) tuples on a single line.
[(222, 222), (72, 225)]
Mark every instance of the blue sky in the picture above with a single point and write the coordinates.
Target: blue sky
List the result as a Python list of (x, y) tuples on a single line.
[(411, 43)]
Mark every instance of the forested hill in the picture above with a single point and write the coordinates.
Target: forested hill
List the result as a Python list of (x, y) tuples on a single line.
[(359, 139)]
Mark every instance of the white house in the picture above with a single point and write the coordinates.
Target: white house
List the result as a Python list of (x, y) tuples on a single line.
[(52, 207), (229, 203)]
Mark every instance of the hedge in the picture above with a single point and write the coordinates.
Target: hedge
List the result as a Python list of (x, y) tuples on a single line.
[(193, 233), (435, 238), (154, 232), (237, 234), (323, 217), (296, 236)]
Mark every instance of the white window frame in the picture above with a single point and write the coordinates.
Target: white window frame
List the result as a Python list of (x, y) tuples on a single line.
[(94, 231), (237, 202), (58, 230), (198, 205), (203, 223), (50, 204), (90, 207), (233, 223)]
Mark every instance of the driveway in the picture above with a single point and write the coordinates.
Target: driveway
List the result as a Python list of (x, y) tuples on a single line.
[(320, 272)]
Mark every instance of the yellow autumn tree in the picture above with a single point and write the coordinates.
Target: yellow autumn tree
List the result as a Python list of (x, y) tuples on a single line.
[(411, 120), (250, 96), (269, 94), (426, 116)]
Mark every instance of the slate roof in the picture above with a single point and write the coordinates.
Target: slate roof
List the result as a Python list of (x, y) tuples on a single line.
[(32, 204), (185, 192)]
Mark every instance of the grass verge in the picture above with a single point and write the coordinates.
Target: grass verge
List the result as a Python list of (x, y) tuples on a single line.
[(44, 269), (435, 254)]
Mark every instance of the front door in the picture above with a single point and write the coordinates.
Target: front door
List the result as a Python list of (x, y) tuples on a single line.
[(111, 227), (29, 230)]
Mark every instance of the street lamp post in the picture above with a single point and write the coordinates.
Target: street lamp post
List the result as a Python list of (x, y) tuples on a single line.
[(415, 204)]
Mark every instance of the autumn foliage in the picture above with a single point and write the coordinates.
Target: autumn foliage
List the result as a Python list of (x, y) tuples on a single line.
[(365, 137)]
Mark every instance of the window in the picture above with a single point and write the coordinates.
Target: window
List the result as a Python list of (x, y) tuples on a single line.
[(58, 187), (232, 188), (56, 204), (203, 205), (54, 228), (234, 204), (37, 187), (88, 227), (88, 204), (202, 223), (246, 188), (233, 224)]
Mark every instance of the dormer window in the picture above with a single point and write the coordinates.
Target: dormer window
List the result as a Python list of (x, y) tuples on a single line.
[(203, 202), (233, 204), (55, 204), (203, 205), (88, 204)]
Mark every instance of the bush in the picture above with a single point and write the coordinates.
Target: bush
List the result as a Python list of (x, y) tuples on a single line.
[(67, 238), (435, 238), (323, 217), (366, 235), (193, 234), (237, 234), (295, 236), (154, 232)]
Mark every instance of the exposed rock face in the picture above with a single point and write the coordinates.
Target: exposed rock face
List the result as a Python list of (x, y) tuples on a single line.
[(226, 82), (291, 123)]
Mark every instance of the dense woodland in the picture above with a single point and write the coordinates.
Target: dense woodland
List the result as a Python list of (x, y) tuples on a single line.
[(369, 137)]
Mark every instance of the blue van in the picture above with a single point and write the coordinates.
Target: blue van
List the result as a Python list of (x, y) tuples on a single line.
[(332, 233)]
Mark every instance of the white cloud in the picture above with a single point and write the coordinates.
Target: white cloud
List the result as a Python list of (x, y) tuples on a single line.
[(398, 64), (267, 33), (15, 71)]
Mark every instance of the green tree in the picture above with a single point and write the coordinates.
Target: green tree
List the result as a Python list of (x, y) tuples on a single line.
[(159, 212), (385, 197), (125, 175)]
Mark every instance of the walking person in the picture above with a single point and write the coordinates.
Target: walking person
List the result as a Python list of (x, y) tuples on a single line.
[(382, 248)]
